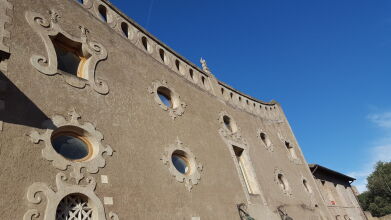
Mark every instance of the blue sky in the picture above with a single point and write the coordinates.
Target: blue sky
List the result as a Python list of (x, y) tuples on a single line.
[(327, 62)]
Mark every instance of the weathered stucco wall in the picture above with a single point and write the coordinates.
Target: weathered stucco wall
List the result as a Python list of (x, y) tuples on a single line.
[(119, 99), (339, 196)]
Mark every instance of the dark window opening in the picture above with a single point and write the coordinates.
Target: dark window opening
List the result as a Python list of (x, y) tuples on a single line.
[(165, 96), (102, 12), (125, 29), (70, 58), (162, 55), (145, 43)]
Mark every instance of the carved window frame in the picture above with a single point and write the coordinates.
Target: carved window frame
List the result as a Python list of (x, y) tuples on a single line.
[(177, 109), (58, 124), (234, 138), (64, 189), (49, 29), (191, 178)]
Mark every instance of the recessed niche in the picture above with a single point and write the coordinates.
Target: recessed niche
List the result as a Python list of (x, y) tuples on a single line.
[(70, 57), (265, 139), (72, 144), (291, 150), (162, 55), (103, 13), (203, 81), (282, 182), (146, 44), (192, 76), (125, 29), (179, 66), (230, 124), (181, 162), (222, 91)]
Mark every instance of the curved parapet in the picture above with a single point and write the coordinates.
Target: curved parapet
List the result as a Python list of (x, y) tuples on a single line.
[(202, 78)]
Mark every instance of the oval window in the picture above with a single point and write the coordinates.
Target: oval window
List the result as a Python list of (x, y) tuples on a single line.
[(229, 124), (71, 146), (180, 162), (165, 96)]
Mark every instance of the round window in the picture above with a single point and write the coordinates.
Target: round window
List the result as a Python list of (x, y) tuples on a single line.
[(165, 96), (180, 162), (71, 146)]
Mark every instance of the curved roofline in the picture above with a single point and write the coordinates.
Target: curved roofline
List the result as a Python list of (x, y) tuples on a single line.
[(130, 20)]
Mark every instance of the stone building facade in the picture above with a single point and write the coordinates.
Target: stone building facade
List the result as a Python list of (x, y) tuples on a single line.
[(337, 193), (100, 120)]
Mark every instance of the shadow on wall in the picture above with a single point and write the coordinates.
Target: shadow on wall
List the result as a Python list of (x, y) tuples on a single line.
[(16, 107)]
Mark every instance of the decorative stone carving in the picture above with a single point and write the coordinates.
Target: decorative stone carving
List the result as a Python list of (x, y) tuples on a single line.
[(286, 188), (58, 122), (194, 176), (266, 143), (58, 201), (205, 66), (92, 51), (177, 108), (5, 11)]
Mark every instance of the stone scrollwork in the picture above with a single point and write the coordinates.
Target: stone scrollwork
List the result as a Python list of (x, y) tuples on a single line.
[(93, 52), (58, 124), (67, 200), (177, 107), (194, 175)]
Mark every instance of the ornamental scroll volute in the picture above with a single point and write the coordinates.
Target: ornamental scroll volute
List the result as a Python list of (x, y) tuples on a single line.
[(92, 52)]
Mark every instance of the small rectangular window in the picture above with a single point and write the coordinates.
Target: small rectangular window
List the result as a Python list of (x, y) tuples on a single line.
[(246, 170)]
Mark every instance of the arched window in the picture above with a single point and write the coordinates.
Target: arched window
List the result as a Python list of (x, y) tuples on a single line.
[(74, 207)]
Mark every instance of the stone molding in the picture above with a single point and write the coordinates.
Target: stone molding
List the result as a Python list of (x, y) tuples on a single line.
[(178, 108), (64, 189), (47, 28), (234, 138), (92, 165), (5, 19), (190, 179)]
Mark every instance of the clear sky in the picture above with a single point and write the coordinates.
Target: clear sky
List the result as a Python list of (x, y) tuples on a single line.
[(327, 62)]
